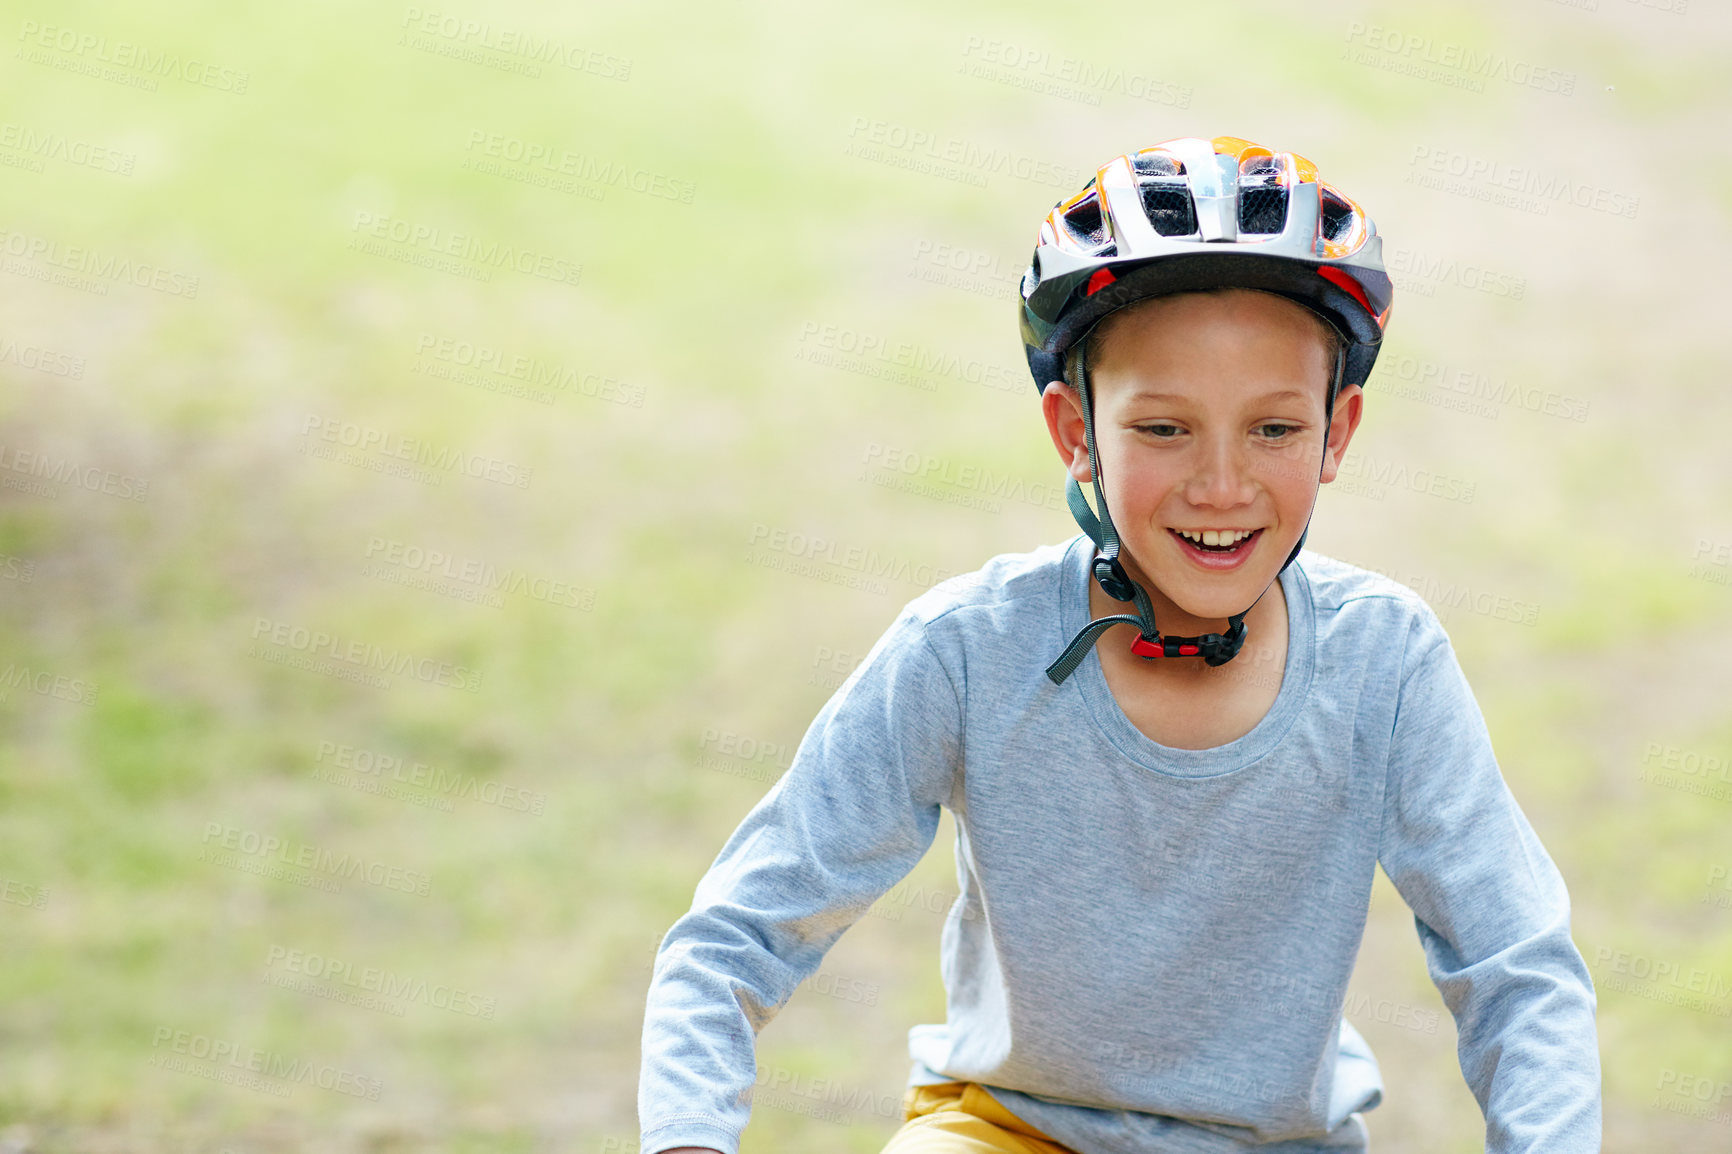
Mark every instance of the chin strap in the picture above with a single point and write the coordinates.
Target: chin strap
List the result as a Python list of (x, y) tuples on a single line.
[(1109, 571)]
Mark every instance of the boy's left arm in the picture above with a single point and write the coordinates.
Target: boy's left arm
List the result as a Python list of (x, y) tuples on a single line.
[(1493, 916)]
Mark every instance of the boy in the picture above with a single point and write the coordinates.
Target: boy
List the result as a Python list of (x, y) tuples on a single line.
[(1164, 865)]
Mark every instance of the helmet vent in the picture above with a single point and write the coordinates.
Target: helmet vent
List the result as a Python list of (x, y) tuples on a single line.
[(1085, 224), (1262, 208), (1151, 163), (1168, 206), (1337, 217)]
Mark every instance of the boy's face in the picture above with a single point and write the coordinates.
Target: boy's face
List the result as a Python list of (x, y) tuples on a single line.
[(1208, 420)]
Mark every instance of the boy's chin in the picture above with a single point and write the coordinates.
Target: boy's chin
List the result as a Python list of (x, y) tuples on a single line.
[(1215, 608), (1212, 596)]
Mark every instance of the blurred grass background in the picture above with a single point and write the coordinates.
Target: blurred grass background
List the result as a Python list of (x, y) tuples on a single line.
[(140, 727)]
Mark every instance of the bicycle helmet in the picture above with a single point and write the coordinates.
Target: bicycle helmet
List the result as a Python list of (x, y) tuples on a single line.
[(1190, 215)]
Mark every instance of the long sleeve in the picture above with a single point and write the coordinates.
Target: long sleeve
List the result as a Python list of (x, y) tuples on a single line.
[(1493, 916), (857, 808)]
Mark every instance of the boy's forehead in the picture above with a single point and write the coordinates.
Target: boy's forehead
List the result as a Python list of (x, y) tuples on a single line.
[(1136, 342), (1255, 309), (1152, 331)]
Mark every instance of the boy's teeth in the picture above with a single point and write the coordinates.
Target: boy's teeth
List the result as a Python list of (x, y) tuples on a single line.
[(1216, 537)]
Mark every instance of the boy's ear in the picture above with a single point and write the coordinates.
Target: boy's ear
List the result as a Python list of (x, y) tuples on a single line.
[(1349, 405), (1064, 420)]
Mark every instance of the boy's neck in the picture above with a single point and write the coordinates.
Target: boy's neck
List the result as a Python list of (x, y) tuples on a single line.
[(1265, 632)]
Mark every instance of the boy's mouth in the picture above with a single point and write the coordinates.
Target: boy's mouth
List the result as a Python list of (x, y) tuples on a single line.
[(1217, 549)]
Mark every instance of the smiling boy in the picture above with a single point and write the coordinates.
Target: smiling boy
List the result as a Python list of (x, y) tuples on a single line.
[(1207, 417), (1164, 864)]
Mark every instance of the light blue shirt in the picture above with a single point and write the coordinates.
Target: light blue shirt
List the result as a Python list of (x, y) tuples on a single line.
[(1150, 949)]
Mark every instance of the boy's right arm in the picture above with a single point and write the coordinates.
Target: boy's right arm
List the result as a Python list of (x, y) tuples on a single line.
[(1493, 917), (853, 814)]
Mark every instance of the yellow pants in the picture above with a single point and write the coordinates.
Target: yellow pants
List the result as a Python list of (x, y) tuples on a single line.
[(962, 1118)]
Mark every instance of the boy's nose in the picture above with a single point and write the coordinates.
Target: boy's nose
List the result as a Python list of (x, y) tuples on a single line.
[(1222, 478)]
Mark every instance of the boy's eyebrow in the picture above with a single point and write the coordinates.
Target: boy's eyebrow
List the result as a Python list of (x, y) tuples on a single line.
[(1277, 395)]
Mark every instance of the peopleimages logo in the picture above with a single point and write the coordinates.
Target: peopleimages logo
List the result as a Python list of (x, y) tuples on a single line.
[(858, 560), (1067, 77), (30, 356), (424, 27), (481, 255), (376, 766), (23, 893), (239, 843), (413, 450), (918, 359), (1396, 475), (37, 145), (531, 371), (343, 979), (1694, 978), (941, 478), (46, 683), (1531, 188), (169, 1043), (1449, 270), (581, 167), (1472, 65), (724, 751), (1464, 389), (91, 49), (363, 654), (92, 263), (967, 270), (952, 157), (482, 575), (52, 470)]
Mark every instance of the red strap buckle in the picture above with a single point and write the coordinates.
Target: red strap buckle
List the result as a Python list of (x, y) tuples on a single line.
[(1143, 647)]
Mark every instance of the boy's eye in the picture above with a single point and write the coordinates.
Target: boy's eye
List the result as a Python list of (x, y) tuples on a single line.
[(1276, 431), (1160, 429)]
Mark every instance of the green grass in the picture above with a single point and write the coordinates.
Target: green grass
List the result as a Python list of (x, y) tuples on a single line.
[(647, 513)]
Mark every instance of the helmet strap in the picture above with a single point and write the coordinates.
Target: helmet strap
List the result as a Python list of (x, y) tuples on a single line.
[(1109, 572)]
